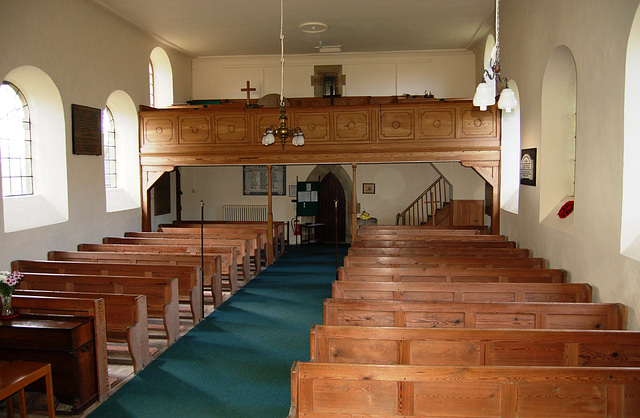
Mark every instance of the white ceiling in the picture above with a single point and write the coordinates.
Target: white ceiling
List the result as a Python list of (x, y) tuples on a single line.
[(252, 27)]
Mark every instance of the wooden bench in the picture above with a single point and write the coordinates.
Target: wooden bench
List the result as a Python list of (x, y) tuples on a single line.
[(94, 308), (400, 243), (452, 275), (243, 247), (189, 278), (517, 315), (462, 292), (429, 238), (440, 251), (255, 240), (421, 229), (228, 255), (444, 261), (211, 270), (474, 347), (126, 317), (362, 390)]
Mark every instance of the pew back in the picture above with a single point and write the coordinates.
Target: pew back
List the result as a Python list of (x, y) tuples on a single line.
[(516, 315), (431, 244), (444, 261), (453, 275), (463, 292), (440, 251)]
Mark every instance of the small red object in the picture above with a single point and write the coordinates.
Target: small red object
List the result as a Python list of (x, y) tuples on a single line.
[(566, 209)]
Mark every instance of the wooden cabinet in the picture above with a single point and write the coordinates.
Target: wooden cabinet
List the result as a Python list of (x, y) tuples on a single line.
[(65, 342)]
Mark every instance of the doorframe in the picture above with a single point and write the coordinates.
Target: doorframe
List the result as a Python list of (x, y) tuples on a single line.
[(346, 182)]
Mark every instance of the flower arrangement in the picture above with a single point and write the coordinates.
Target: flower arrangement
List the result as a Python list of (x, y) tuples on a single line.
[(8, 283), (566, 209)]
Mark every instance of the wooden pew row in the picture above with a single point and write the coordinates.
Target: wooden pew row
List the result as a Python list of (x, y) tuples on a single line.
[(228, 256), (94, 308), (189, 278), (126, 317), (243, 248), (211, 269), (444, 261), (400, 243), (410, 237), (278, 230), (463, 292), (162, 300), (255, 240), (362, 390), (474, 347), (517, 315), (452, 275), (440, 251), (420, 230)]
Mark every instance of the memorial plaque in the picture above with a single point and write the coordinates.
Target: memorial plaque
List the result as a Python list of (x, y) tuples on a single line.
[(87, 130)]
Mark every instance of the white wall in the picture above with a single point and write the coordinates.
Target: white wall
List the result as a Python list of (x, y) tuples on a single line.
[(88, 53), (596, 33), (447, 74)]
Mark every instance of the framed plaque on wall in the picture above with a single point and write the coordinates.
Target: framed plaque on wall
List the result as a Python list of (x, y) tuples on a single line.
[(255, 180), (528, 167)]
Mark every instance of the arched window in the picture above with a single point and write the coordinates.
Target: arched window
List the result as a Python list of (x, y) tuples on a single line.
[(15, 142), (109, 149), (558, 138), (152, 86), (630, 226), (510, 156), (162, 78)]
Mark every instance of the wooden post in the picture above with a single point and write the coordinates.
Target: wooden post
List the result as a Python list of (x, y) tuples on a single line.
[(354, 215), (269, 219)]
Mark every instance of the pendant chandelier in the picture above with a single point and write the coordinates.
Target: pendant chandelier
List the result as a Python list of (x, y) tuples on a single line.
[(282, 131), (485, 95)]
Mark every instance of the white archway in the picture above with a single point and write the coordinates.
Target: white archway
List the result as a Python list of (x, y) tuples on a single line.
[(510, 156), (163, 77)]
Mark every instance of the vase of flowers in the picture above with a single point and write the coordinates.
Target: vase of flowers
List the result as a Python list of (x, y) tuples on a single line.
[(8, 283)]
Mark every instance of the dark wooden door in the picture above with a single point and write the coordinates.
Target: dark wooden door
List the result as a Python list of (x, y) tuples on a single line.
[(330, 191)]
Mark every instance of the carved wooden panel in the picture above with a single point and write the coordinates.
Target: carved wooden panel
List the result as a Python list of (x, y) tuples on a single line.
[(437, 123), (476, 123), (159, 130), (314, 125), (397, 124), (352, 125), (230, 129), (194, 130), (263, 121)]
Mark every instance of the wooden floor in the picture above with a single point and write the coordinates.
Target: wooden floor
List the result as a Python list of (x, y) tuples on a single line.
[(120, 370)]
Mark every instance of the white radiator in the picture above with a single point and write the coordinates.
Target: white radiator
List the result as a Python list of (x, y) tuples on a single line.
[(245, 213)]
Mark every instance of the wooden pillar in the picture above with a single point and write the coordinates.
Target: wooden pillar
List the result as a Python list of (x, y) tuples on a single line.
[(491, 174), (269, 219), (149, 178), (354, 215)]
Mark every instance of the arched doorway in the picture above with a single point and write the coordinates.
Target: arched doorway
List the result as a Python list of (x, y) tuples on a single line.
[(334, 226)]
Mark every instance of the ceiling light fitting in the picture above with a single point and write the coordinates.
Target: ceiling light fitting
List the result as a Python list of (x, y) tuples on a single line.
[(283, 132), (484, 92), (313, 27)]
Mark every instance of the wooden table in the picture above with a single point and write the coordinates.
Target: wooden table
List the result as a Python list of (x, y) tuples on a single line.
[(16, 375)]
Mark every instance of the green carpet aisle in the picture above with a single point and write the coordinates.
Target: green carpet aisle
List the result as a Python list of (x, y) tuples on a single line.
[(237, 362)]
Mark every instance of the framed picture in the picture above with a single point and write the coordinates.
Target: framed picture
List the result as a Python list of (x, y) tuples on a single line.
[(368, 188), (86, 129), (255, 180), (528, 167)]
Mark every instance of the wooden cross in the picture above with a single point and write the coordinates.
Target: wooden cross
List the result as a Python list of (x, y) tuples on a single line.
[(248, 89)]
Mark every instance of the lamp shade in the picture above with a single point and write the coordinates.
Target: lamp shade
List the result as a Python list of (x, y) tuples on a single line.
[(484, 96), (507, 100)]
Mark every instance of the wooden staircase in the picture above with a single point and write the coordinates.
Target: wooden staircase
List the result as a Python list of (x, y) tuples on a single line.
[(432, 207)]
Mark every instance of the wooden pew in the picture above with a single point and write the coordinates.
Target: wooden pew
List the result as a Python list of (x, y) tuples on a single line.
[(452, 275), (255, 240), (350, 390), (211, 271), (126, 317), (517, 315), (440, 251), (189, 278), (228, 255), (243, 247), (474, 347), (462, 292), (278, 230), (400, 243), (427, 238), (162, 300), (444, 261), (94, 308), (422, 229)]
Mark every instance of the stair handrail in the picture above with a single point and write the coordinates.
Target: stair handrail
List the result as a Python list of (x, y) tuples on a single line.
[(422, 210)]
